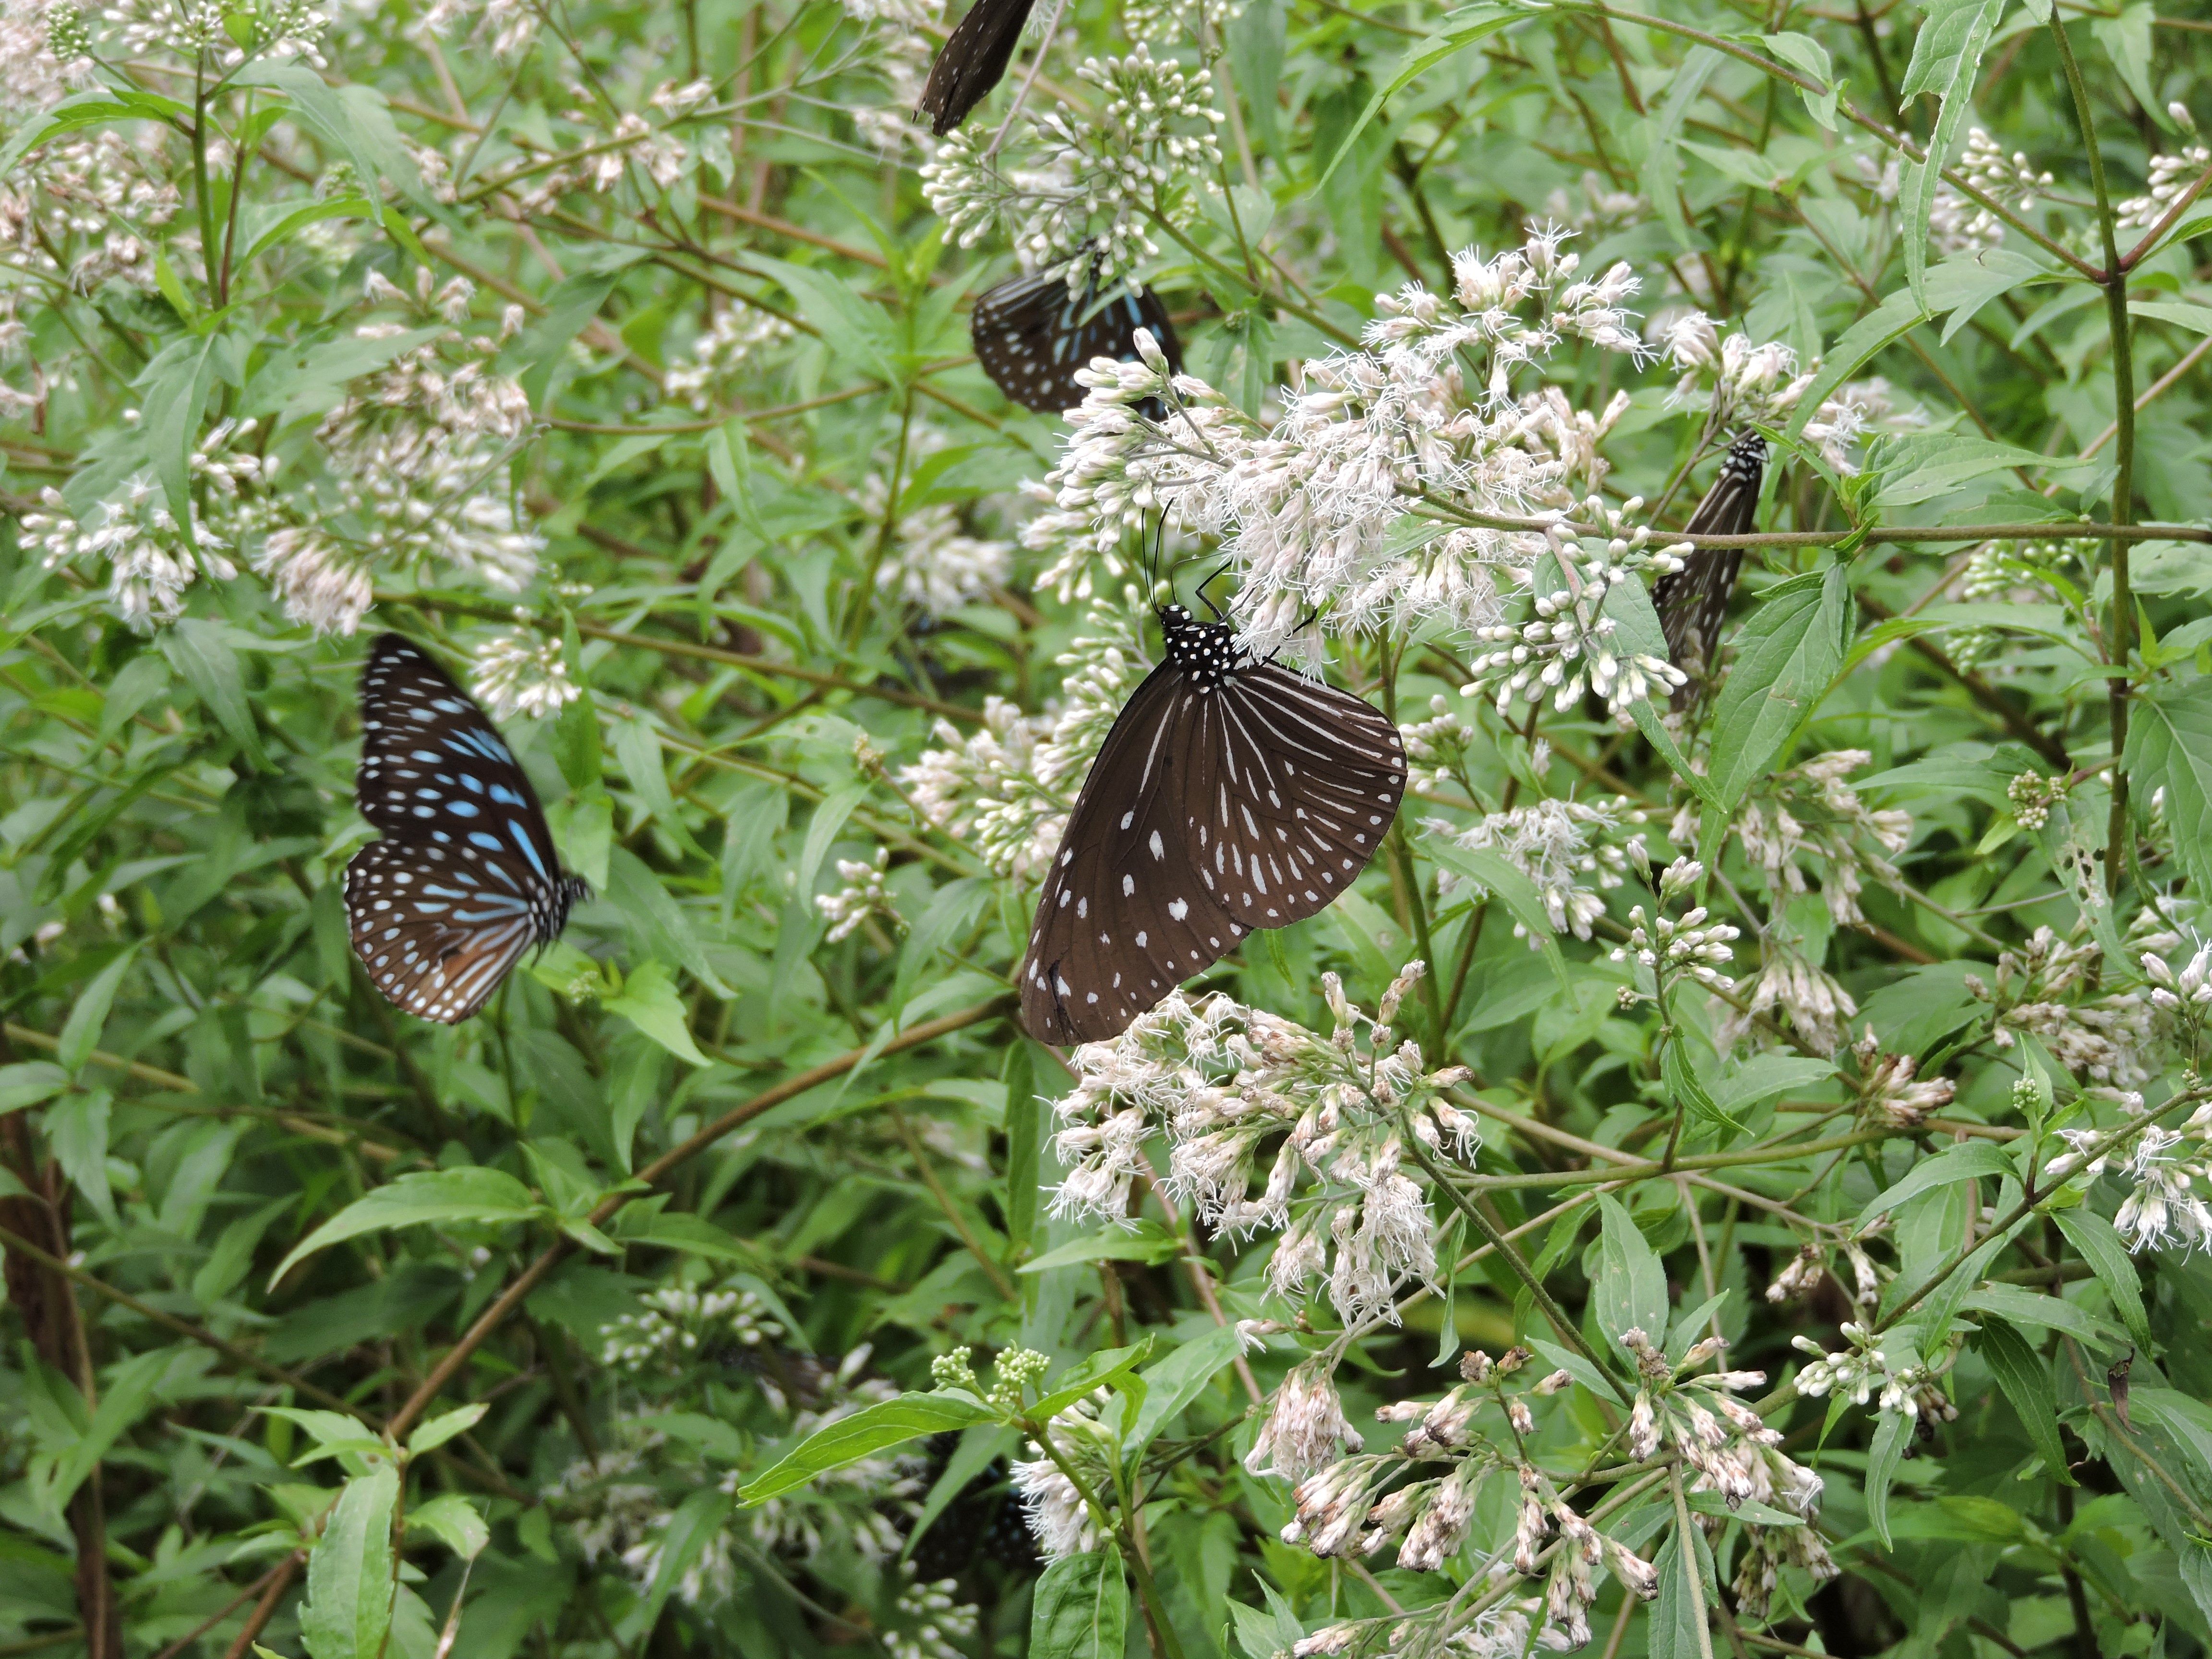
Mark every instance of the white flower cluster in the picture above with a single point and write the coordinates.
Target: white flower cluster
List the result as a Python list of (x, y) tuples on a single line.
[(1568, 648), (1738, 384), (934, 1623), (1363, 1503), (1866, 1371), (739, 338), (501, 27), (2167, 1208), (411, 472), (1566, 848), (1806, 996), (1222, 1080), (522, 672), (149, 559), (1889, 1091), (2011, 179), (2171, 178), (84, 207), (1366, 500), (1002, 787), (1089, 186), (1810, 817), (932, 563), (673, 1323), (1956, 223), (2040, 988), (201, 31), (1691, 945), (862, 895), (1809, 1266)]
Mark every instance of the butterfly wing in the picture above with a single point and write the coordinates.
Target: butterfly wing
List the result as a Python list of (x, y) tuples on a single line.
[(972, 60), (437, 930), (1693, 602), (1031, 337), (1299, 784), (434, 768), (1124, 917)]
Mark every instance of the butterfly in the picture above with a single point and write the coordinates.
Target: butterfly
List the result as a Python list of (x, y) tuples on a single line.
[(984, 1522), (1229, 795), (1693, 601), (465, 878), (972, 60), (1032, 335)]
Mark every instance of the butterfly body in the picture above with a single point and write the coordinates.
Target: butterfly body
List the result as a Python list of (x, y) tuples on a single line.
[(1031, 335), (1230, 796), (972, 61), (1693, 602), (466, 878)]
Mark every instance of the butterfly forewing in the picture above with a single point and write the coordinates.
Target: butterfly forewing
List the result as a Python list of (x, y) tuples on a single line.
[(972, 60), (1032, 335), (1125, 918), (1693, 602), (466, 878), (1230, 796)]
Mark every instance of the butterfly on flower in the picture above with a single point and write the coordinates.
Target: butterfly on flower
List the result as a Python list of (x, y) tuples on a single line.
[(1032, 333), (1229, 795), (1693, 602), (465, 878)]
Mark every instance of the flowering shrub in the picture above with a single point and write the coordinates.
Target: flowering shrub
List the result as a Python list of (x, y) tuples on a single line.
[(1733, 1176)]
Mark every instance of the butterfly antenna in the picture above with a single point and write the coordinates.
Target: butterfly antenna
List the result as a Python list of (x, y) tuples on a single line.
[(1208, 598)]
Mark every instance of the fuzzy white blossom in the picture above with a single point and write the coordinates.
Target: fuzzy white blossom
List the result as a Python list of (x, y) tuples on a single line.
[(862, 895), (1563, 847), (522, 672)]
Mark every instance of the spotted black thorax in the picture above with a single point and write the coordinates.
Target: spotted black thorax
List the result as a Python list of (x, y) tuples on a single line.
[(1209, 654)]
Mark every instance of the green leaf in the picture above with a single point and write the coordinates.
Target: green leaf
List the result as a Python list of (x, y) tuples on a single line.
[(469, 1193), (1677, 1630), (2101, 1246), (1172, 1383), (576, 742), (349, 1576), (2127, 41), (28, 1082), (1650, 720), (1631, 1290), (649, 1000), (821, 832), (1662, 134), (1963, 284), (951, 910), (1683, 1086), (2026, 1380), (443, 1427), (1787, 655), (2023, 1306), (1802, 52), (77, 1129), (81, 1032), (637, 749), (206, 655), (2198, 319), (1892, 1433), (1512, 889), (1885, 324), (1947, 54), (2170, 748), (454, 1522), (689, 1530), (1967, 1161), (177, 384), (1476, 22), (1100, 1369), (1147, 1242), (867, 1431), (1269, 1635), (1082, 1608), (1025, 1136), (1925, 466), (680, 1231), (128, 1388), (657, 923)]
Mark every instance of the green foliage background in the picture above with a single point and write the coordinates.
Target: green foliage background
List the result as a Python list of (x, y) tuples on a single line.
[(209, 1434)]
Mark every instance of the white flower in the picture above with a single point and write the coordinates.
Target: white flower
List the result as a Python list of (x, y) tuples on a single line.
[(1306, 1429), (862, 895)]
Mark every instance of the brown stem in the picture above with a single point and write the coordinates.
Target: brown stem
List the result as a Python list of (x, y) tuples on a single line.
[(266, 1608)]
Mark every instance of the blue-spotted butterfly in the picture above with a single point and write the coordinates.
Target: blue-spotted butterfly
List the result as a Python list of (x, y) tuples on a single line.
[(465, 878)]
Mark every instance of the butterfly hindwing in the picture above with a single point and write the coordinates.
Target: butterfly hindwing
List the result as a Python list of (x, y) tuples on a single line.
[(466, 878), (972, 61), (1032, 335)]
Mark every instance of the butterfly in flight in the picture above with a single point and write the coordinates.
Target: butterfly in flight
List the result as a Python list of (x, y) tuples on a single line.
[(1693, 601), (1229, 795), (1031, 335), (972, 60), (465, 878)]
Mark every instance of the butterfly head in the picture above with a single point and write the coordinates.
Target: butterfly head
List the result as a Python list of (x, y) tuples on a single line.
[(1208, 652), (1747, 456)]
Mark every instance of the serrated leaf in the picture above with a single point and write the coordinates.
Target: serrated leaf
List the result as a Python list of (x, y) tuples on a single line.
[(443, 1427), (349, 1576), (1173, 1382), (1946, 55), (1892, 1433), (1787, 655), (1147, 1241), (1630, 1291), (470, 1195), (1082, 1608), (2169, 749), (2102, 1247), (651, 1002), (867, 1431), (1512, 889), (452, 1519)]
